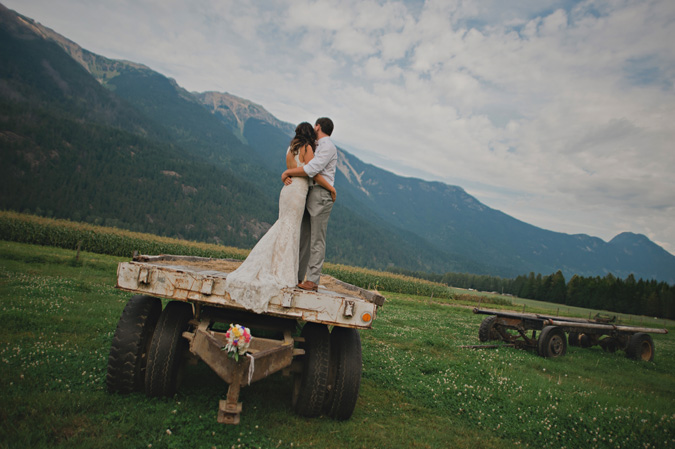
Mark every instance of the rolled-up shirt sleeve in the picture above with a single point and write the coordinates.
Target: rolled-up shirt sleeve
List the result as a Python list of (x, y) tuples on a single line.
[(324, 155)]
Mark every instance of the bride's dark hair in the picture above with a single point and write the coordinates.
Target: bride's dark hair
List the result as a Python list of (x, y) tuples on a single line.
[(304, 135)]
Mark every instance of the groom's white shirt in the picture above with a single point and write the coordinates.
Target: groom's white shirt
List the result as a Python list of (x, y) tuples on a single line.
[(324, 162)]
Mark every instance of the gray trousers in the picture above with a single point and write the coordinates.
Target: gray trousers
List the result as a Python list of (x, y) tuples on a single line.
[(313, 234)]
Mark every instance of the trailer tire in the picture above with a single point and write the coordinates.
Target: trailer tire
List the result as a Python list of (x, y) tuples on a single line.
[(573, 339), (487, 331), (609, 344), (640, 347), (344, 373), (167, 350), (309, 390), (585, 341), (552, 342), (129, 347)]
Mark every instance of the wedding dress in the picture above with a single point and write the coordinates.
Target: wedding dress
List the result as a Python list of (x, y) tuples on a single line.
[(273, 261)]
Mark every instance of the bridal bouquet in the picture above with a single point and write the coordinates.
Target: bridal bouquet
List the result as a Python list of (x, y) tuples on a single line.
[(238, 339)]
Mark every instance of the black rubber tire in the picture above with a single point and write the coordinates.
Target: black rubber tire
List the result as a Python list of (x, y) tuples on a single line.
[(310, 385), (167, 350), (573, 339), (129, 347), (552, 342), (640, 347), (585, 341), (345, 373), (486, 331), (609, 345)]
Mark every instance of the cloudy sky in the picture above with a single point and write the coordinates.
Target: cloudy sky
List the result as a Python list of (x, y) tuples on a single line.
[(560, 113)]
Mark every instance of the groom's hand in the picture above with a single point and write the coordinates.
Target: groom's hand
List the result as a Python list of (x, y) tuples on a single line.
[(286, 179)]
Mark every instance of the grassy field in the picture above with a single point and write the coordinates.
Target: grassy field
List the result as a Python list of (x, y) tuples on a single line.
[(419, 388)]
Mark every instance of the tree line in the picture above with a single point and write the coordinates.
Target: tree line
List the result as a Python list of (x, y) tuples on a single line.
[(631, 296)]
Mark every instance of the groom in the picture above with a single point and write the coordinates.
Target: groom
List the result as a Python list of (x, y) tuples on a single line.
[(318, 207)]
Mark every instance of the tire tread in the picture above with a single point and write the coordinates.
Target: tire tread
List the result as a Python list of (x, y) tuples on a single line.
[(486, 331), (166, 350), (315, 370), (126, 365), (346, 342)]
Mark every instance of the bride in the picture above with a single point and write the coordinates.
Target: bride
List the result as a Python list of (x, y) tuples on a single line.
[(273, 262)]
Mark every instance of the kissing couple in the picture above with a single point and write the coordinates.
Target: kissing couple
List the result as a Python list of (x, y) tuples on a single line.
[(293, 250)]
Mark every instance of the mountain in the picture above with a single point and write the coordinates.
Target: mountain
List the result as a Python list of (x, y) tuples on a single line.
[(73, 149), (479, 239), (235, 112), (113, 142)]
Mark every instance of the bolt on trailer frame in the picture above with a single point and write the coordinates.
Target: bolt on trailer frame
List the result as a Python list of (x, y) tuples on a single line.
[(512, 328), (151, 344)]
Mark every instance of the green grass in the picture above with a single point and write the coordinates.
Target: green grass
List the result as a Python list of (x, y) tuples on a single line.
[(419, 388)]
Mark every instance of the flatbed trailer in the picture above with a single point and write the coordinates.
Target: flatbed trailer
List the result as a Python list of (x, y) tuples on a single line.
[(512, 329), (151, 344)]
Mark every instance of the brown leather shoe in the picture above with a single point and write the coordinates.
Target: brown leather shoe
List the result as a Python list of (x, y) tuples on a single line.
[(308, 285)]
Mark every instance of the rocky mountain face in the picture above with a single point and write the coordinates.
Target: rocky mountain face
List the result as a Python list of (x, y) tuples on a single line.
[(117, 143), (235, 112)]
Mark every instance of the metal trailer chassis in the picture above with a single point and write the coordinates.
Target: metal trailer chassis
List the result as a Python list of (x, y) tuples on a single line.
[(151, 345), (512, 328)]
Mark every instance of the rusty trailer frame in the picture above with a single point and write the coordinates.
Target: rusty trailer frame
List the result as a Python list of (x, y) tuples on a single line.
[(557, 332)]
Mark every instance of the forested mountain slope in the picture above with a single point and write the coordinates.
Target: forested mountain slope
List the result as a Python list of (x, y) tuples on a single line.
[(89, 138), (135, 150)]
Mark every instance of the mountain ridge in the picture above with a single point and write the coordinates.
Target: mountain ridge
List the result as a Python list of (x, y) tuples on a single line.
[(381, 219), (176, 171), (236, 111)]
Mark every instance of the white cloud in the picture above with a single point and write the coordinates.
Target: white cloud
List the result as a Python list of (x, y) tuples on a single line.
[(376, 69), (353, 43), (394, 45), (558, 112)]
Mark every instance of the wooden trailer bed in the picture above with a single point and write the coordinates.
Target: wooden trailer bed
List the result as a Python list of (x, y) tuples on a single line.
[(201, 280)]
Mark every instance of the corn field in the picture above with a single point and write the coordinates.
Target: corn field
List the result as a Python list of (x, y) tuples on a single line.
[(378, 280), (98, 239), (66, 234)]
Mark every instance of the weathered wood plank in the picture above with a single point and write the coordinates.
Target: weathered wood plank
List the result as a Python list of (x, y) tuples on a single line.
[(187, 283)]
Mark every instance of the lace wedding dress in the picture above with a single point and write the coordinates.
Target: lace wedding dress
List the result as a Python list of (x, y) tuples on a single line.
[(273, 261)]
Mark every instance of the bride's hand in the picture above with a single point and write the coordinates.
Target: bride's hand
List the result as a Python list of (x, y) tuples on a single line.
[(333, 195)]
